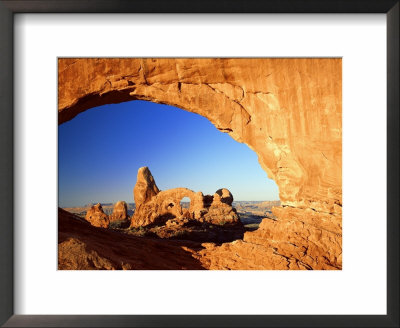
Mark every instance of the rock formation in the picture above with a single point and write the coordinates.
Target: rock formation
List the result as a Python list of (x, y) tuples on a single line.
[(163, 207), (83, 247), (287, 110), (120, 212), (220, 210), (145, 187), (282, 246), (119, 218), (97, 217), (223, 196)]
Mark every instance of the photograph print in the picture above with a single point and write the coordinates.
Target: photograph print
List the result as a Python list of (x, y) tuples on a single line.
[(199, 164)]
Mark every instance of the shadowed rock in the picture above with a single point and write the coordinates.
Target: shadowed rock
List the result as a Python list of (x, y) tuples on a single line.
[(84, 247), (225, 196)]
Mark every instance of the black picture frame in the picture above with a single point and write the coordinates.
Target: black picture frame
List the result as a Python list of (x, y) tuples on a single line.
[(7, 11)]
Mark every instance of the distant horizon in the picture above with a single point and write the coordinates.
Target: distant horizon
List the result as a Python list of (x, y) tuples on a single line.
[(113, 203), (101, 150)]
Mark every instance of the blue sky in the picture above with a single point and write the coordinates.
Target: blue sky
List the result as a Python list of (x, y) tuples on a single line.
[(101, 149)]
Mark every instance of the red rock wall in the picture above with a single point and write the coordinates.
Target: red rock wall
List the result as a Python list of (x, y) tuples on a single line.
[(289, 111)]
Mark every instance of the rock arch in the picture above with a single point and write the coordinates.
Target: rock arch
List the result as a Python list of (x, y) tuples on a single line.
[(165, 202), (162, 206), (175, 195), (287, 110)]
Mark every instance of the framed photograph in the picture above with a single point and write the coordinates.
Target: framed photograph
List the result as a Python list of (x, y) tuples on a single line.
[(206, 165)]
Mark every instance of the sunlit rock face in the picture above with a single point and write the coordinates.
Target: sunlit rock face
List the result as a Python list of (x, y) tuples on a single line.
[(120, 212), (164, 206), (287, 110), (96, 216), (297, 240), (145, 187)]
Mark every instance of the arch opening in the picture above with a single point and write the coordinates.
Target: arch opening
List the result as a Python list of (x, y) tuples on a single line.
[(185, 202), (253, 101), (202, 150)]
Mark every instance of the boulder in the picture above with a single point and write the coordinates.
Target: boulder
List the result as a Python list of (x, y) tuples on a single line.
[(225, 196), (120, 212), (97, 217)]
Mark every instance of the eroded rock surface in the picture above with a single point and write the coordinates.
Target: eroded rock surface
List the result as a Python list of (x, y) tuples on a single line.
[(297, 239), (223, 196), (119, 218), (220, 211), (163, 207), (84, 247), (120, 212), (145, 187), (97, 217), (287, 110)]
